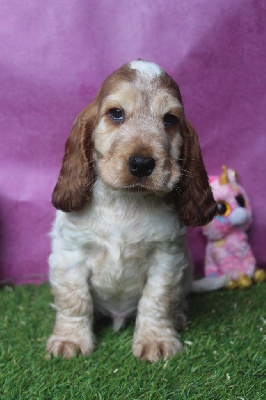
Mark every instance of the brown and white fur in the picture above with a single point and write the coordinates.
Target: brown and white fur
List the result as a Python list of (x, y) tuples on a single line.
[(126, 190)]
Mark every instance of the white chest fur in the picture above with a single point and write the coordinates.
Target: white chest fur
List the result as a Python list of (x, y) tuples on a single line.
[(113, 242)]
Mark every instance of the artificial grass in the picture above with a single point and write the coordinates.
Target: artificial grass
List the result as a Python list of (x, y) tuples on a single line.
[(223, 355)]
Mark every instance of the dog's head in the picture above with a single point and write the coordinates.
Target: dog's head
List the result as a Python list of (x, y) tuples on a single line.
[(134, 136)]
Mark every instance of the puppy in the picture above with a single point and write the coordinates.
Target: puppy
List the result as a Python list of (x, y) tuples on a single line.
[(132, 179)]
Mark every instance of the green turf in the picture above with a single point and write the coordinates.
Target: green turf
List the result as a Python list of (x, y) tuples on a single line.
[(223, 355)]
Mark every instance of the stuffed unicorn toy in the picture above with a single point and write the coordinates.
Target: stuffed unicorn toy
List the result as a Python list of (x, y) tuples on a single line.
[(228, 251)]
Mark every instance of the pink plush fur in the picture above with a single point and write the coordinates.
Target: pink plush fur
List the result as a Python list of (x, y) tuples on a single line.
[(228, 250)]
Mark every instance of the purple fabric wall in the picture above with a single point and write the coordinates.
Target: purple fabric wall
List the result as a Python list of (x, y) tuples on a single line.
[(54, 56)]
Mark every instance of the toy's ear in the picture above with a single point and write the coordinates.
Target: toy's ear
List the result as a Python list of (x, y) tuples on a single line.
[(232, 175), (76, 177), (193, 194)]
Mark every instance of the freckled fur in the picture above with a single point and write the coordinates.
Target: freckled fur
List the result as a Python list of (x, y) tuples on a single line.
[(118, 240)]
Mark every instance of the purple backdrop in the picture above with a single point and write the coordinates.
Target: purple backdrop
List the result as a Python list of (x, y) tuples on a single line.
[(54, 56)]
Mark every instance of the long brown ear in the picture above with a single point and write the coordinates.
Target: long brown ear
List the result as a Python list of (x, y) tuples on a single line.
[(76, 177), (193, 194)]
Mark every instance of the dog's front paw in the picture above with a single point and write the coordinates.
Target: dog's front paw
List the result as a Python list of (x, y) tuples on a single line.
[(153, 349), (65, 347)]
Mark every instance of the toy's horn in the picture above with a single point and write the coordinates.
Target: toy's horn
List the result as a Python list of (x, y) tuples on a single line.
[(224, 176)]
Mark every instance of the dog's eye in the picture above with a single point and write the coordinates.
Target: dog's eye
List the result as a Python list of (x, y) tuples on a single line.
[(116, 114), (223, 208), (240, 200), (169, 120)]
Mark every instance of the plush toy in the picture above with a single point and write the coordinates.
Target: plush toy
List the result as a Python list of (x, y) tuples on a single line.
[(228, 251)]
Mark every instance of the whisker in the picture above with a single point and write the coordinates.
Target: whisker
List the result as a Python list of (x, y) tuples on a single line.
[(93, 182), (182, 159), (189, 172), (88, 162), (177, 191)]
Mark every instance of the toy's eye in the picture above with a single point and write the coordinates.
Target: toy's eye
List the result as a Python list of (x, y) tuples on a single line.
[(223, 208), (241, 200), (116, 114), (169, 120)]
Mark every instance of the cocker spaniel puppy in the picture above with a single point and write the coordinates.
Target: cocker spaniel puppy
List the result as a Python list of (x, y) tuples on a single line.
[(132, 179)]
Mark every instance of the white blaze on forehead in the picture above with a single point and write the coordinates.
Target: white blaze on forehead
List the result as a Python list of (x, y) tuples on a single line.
[(145, 67)]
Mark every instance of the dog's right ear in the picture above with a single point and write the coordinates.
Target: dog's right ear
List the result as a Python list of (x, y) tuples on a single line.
[(76, 178), (195, 203)]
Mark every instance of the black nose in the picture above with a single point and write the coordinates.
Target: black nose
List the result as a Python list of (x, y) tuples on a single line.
[(141, 166)]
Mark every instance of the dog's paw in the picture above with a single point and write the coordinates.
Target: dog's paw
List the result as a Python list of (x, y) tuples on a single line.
[(60, 346), (153, 350)]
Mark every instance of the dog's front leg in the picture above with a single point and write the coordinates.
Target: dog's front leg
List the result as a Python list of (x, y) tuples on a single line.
[(155, 335), (72, 332)]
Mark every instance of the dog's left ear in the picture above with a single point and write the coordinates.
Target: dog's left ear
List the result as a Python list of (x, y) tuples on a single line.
[(193, 194)]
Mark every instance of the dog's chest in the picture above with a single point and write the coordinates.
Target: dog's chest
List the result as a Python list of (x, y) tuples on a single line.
[(118, 276), (120, 237), (120, 259)]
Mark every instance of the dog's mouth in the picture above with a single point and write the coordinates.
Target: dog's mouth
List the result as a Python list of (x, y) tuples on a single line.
[(146, 188), (137, 188)]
